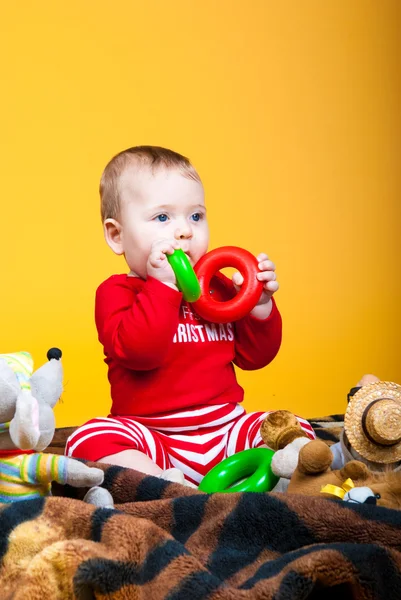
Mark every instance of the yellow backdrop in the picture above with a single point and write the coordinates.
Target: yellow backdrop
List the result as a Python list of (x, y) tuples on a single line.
[(290, 111)]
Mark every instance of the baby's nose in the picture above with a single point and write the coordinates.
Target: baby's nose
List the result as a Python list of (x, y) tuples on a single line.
[(183, 232)]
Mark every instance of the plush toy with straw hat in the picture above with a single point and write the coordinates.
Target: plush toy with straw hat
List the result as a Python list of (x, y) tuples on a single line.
[(371, 434), (372, 425)]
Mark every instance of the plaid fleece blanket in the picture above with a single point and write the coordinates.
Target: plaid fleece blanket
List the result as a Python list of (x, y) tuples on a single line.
[(166, 541)]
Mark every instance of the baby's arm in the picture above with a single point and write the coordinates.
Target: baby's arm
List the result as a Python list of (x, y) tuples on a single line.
[(258, 335), (137, 328), (257, 341)]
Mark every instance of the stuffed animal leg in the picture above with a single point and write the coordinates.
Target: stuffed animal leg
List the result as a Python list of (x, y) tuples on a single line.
[(30, 475), (99, 497)]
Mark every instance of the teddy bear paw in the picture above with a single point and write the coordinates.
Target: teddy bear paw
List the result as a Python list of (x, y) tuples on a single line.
[(285, 461)]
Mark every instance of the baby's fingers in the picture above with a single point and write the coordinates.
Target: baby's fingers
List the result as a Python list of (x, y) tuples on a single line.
[(156, 259), (237, 279), (267, 265), (169, 248), (261, 257), (267, 276), (271, 286), (165, 246)]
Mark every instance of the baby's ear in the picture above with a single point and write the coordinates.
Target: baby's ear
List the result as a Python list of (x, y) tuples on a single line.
[(47, 381), (9, 390), (114, 235)]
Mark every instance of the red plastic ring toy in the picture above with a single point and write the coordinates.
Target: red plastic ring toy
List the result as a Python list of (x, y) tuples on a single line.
[(222, 312)]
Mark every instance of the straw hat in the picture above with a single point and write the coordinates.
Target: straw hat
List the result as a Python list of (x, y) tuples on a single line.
[(372, 422)]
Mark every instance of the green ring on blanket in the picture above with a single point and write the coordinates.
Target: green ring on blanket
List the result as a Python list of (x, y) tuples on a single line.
[(253, 464), (187, 281)]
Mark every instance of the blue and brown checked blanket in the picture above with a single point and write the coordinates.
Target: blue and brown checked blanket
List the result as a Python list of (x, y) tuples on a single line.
[(165, 541)]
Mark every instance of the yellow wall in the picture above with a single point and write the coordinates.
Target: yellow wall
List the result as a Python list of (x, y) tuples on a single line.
[(291, 112)]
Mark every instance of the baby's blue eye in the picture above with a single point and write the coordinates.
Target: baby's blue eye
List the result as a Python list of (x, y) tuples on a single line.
[(162, 218), (196, 217)]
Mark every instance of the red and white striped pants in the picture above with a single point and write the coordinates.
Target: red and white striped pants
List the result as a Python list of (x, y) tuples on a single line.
[(193, 440)]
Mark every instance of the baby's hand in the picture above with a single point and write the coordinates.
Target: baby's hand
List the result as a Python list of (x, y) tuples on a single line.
[(158, 265), (267, 274)]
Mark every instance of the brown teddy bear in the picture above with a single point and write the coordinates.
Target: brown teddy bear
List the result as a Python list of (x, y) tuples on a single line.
[(353, 483), (368, 454), (371, 434)]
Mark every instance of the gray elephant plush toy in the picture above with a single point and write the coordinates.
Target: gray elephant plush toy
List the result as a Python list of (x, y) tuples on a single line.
[(27, 426)]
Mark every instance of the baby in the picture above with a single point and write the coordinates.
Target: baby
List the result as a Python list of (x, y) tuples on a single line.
[(176, 404)]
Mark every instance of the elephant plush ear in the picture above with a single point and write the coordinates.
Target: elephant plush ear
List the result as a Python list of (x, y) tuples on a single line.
[(9, 390), (24, 427), (47, 381)]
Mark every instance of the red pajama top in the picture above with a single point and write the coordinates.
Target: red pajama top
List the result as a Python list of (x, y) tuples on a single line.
[(163, 357)]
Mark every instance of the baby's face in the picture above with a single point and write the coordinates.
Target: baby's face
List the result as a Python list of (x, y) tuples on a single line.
[(161, 205)]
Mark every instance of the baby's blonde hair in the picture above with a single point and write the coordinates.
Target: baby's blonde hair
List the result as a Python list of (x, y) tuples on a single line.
[(153, 156)]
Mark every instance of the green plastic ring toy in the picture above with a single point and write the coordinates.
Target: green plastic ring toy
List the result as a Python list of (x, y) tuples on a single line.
[(187, 281), (254, 464)]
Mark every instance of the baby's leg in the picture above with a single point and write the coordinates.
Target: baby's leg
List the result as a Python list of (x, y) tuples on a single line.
[(133, 459), (120, 441), (123, 442)]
